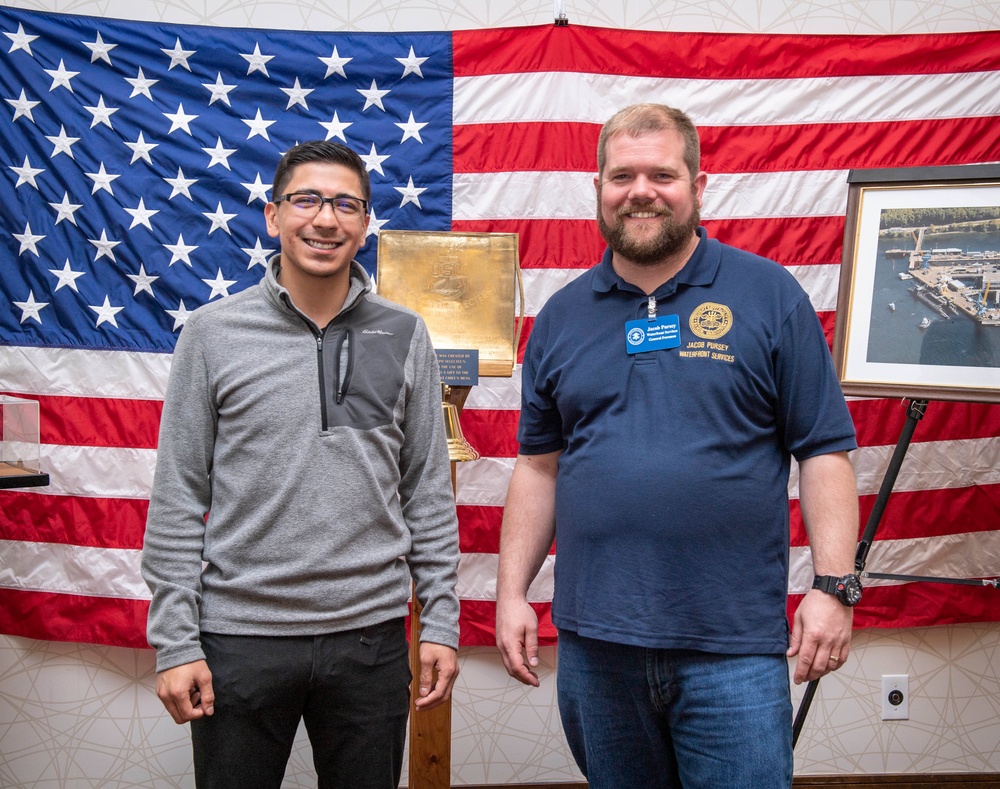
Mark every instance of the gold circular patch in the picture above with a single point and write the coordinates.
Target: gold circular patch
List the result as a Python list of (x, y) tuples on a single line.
[(710, 320)]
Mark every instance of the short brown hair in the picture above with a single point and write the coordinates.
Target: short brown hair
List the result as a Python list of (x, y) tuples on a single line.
[(320, 151), (642, 119)]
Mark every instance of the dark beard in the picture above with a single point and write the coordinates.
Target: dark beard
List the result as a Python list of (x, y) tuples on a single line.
[(672, 237)]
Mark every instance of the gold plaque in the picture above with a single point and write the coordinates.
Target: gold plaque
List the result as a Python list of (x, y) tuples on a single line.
[(462, 284)]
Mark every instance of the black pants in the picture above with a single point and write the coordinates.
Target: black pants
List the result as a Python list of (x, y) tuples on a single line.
[(351, 689)]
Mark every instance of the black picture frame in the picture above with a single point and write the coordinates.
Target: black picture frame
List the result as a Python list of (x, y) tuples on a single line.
[(881, 348)]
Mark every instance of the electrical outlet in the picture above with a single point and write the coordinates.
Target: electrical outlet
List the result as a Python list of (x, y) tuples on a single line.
[(895, 697)]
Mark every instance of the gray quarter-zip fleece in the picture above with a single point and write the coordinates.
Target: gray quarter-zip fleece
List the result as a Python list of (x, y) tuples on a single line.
[(319, 457)]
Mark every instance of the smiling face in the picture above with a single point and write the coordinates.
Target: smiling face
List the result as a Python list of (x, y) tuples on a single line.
[(318, 246), (647, 201)]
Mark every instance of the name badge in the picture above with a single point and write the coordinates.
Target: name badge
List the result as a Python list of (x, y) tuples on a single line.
[(653, 335)]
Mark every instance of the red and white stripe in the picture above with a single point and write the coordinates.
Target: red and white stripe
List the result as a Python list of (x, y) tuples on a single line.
[(782, 119)]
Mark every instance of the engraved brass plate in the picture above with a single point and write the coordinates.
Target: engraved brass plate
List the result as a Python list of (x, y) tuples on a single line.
[(462, 284)]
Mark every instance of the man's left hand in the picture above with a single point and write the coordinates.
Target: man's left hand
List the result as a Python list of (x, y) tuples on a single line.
[(821, 636), (438, 672)]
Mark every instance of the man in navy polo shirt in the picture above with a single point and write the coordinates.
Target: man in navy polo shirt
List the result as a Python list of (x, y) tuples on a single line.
[(664, 393)]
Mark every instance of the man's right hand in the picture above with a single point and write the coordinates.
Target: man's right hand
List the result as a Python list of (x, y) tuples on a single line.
[(517, 639), (186, 691)]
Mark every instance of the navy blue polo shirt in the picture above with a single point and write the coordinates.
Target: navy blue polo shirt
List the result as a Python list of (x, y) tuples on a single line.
[(671, 496)]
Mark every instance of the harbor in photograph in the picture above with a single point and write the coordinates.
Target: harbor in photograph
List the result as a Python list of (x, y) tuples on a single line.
[(936, 297), (953, 281)]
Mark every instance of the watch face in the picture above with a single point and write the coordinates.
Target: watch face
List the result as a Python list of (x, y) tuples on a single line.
[(849, 589)]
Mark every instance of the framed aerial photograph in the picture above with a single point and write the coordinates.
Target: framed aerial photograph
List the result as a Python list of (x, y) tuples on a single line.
[(918, 311)]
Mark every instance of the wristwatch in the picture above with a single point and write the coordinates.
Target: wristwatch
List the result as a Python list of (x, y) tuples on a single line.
[(847, 588)]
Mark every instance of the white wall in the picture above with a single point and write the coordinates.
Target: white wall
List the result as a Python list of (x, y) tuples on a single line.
[(74, 715), (853, 17)]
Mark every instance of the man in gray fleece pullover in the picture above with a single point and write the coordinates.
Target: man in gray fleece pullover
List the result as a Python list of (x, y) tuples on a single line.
[(302, 480)]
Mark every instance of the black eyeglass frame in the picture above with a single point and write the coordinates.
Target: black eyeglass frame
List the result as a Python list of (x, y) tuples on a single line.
[(287, 198)]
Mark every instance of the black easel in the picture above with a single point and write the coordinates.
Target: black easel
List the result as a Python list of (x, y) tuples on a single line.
[(915, 412)]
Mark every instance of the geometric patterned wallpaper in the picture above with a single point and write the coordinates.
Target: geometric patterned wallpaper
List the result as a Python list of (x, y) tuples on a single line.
[(852, 17), (954, 723), (75, 715)]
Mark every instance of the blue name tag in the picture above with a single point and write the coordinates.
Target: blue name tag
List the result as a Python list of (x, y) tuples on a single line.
[(656, 335)]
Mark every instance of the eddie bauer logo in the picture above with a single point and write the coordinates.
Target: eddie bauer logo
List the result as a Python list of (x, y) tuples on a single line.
[(377, 331), (710, 320)]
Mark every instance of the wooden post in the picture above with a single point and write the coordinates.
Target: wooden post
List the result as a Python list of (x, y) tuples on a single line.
[(430, 730)]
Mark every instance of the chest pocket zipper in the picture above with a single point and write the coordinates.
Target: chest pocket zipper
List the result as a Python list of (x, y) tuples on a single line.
[(345, 364)]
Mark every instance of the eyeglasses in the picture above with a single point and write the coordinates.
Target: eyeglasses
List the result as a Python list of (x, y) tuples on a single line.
[(311, 204)]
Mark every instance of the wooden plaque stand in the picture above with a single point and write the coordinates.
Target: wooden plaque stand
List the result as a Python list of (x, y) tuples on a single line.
[(463, 285)]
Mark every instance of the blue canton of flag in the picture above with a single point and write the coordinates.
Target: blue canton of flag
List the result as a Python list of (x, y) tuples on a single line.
[(138, 159)]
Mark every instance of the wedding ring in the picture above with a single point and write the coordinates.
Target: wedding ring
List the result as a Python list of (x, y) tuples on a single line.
[(834, 659)]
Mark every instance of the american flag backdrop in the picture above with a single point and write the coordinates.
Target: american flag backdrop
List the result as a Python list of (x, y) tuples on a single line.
[(136, 160)]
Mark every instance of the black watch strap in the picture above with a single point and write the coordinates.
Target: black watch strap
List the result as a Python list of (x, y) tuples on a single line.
[(846, 588)]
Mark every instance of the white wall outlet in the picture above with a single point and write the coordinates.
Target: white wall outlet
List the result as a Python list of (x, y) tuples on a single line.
[(895, 697)]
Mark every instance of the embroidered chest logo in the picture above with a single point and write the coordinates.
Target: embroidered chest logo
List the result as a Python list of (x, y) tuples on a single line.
[(710, 320)]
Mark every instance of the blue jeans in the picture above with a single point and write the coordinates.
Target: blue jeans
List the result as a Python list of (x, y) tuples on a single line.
[(638, 718), (351, 689)]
